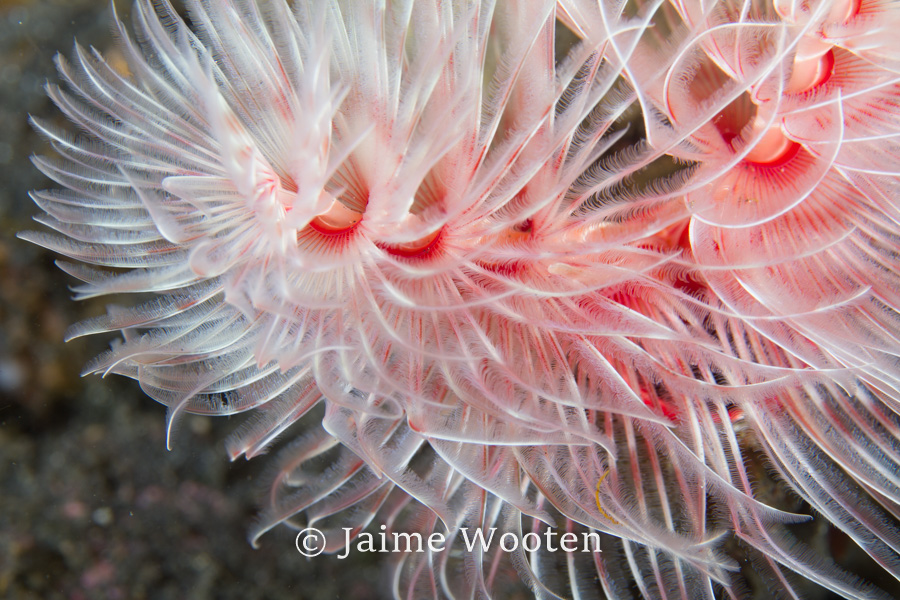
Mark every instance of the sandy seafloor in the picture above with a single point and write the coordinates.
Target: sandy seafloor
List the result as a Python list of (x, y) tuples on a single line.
[(92, 505)]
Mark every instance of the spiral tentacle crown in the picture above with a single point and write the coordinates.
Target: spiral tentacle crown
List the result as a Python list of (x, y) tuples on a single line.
[(521, 264)]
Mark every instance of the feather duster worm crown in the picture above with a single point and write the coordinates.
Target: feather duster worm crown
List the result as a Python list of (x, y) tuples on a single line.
[(530, 284)]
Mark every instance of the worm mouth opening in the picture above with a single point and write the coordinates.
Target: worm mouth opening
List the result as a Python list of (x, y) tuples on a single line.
[(773, 149), (808, 74), (844, 10), (420, 248), (337, 219)]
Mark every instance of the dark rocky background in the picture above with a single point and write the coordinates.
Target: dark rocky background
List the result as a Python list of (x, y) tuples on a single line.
[(91, 503)]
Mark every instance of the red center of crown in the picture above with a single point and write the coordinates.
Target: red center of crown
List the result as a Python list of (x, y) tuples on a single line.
[(418, 248), (338, 219), (773, 149)]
